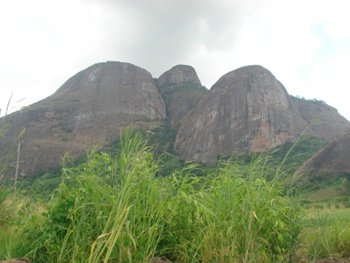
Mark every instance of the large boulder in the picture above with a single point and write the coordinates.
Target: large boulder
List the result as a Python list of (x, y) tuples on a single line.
[(332, 160), (323, 120), (89, 110), (247, 110)]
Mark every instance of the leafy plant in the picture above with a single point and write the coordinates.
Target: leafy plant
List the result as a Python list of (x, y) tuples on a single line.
[(329, 237), (114, 208)]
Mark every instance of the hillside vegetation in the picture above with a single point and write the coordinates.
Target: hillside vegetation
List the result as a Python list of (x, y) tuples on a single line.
[(139, 198), (115, 209)]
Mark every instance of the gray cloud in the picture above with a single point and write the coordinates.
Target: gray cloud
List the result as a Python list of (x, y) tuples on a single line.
[(46, 42), (160, 34)]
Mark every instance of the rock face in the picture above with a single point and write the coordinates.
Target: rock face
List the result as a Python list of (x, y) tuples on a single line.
[(181, 90), (323, 120), (89, 110), (247, 110), (179, 74), (333, 159)]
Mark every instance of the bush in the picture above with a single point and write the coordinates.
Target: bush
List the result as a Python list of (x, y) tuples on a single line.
[(319, 206), (103, 209), (17, 214), (4, 209), (115, 209), (330, 241)]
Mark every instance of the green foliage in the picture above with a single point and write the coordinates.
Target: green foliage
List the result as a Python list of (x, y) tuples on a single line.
[(328, 192), (346, 184), (4, 209), (103, 209), (296, 153), (17, 213), (234, 215), (327, 234), (42, 186), (132, 203), (162, 139), (115, 209)]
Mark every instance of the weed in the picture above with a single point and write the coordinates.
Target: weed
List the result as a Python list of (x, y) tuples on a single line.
[(326, 234), (113, 208)]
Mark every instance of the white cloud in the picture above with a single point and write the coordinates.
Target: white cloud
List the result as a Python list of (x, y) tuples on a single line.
[(306, 44)]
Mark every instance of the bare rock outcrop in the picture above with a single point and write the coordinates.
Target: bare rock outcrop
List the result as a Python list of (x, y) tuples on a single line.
[(332, 160), (179, 74), (88, 110), (181, 90), (323, 120), (247, 110)]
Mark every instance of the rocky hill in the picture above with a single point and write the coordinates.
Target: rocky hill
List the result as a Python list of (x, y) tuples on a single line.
[(332, 160), (247, 110), (323, 120), (89, 110), (181, 90)]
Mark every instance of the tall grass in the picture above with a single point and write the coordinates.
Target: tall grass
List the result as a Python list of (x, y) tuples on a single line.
[(326, 234), (236, 215), (105, 209), (116, 209), (133, 226), (17, 213)]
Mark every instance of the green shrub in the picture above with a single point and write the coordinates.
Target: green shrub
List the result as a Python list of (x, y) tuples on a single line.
[(19, 216), (319, 206), (4, 208), (329, 241), (115, 209), (103, 209)]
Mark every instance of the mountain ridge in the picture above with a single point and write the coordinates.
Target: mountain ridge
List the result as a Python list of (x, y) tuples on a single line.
[(93, 107)]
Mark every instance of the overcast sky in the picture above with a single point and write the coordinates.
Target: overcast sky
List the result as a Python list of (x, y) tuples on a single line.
[(304, 43)]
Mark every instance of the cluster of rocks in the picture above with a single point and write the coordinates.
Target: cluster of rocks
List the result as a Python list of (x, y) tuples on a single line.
[(246, 110)]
